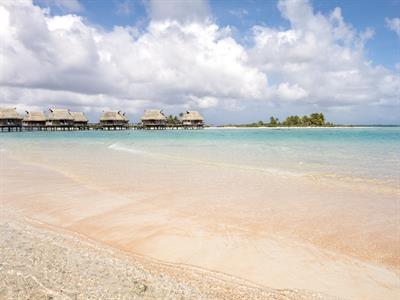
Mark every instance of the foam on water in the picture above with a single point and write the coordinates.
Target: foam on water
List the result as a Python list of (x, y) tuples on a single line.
[(125, 148)]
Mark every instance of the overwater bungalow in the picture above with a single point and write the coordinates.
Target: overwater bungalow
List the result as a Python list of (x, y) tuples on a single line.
[(114, 120), (154, 119), (192, 119), (10, 120), (34, 120), (60, 119), (80, 120)]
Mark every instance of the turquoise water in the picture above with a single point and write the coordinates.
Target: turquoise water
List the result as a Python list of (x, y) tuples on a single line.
[(372, 153)]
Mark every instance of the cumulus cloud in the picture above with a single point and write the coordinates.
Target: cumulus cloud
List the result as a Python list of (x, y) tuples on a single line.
[(290, 92), (184, 60), (205, 102), (394, 24), (320, 60), (170, 63)]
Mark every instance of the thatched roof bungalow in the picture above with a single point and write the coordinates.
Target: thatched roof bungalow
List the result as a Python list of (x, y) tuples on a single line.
[(114, 120), (34, 119), (154, 118), (80, 119), (9, 117), (192, 118), (60, 118)]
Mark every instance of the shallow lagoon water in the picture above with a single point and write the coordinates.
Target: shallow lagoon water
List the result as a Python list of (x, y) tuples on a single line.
[(370, 153)]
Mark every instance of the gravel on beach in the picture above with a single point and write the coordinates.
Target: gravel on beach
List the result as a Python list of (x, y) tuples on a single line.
[(38, 262)]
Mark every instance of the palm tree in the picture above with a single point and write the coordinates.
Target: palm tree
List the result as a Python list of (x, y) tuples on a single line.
[(170, 119)]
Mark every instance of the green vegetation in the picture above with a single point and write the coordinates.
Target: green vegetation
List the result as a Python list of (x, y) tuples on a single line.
[(273, 122), (171, 120), (312, 120)]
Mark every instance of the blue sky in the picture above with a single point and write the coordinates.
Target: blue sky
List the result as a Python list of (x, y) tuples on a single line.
[(234, 61)]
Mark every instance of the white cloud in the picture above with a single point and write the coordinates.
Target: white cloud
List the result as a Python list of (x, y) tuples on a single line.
[(183, 60), (320, 60), (394, 24), (167, 64), (34, 99), (205, 102), (290, 92)]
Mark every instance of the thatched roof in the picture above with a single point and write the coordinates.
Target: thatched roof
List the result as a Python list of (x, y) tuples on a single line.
[(79, 116), (35, 116), (192, 116), (9, 113), (60, 114), (153, 114), (113, 116)]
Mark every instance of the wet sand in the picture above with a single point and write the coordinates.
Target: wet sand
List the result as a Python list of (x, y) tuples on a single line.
[(39, 261), (337, 239)]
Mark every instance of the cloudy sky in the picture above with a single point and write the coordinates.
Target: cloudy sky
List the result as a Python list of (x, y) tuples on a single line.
[(235, 61)]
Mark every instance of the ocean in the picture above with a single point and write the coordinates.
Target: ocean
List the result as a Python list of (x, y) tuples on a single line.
[(371, 153)]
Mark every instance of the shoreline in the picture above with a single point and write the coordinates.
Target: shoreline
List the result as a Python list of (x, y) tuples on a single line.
[(303, 127), (138, 276)]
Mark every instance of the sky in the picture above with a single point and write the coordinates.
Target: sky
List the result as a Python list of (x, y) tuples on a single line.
[(234, 61)]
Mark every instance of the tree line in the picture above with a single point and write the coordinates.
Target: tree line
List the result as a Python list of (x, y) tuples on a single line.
[(312, 120)]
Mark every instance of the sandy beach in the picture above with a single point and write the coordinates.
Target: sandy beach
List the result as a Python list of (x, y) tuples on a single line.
[(41, 262), (338, 239)]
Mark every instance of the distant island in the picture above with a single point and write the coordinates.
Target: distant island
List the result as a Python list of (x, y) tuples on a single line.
[(312, 120)]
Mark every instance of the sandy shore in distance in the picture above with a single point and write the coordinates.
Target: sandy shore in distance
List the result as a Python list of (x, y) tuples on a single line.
[(155, 221)]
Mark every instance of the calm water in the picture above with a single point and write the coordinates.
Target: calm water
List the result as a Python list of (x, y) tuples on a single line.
[(370, 153)]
